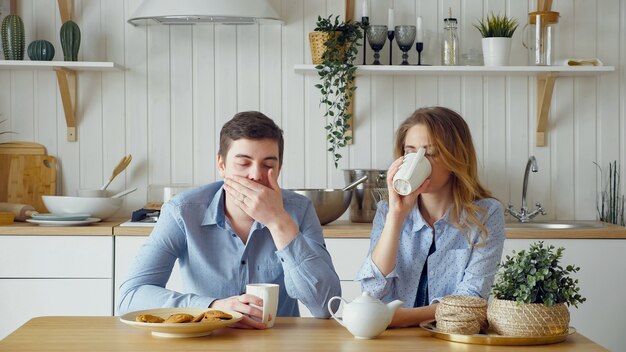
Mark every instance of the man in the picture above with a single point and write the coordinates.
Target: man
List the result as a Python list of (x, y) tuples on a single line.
[(239, 231)]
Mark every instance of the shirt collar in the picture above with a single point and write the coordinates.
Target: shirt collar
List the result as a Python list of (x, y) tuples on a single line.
[(214, 214), (419, 222)]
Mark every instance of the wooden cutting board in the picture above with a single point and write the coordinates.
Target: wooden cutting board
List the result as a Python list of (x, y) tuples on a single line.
[(26, 173)]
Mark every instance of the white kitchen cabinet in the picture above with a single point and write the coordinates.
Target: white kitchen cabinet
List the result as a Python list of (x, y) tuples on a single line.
[(602, 317), (126, 248), (347, 255), (54, 275)]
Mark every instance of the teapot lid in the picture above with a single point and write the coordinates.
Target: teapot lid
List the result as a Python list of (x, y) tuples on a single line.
[(366, 297)]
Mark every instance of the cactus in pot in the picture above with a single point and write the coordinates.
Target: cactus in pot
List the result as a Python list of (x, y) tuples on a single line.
[(70, 40), (40, 50), (13, 37)]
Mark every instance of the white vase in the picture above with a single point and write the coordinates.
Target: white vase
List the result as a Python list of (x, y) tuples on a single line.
[(496, 51)]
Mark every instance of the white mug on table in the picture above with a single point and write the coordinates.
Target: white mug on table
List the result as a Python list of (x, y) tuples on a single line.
[(414, 170), (269, 294)]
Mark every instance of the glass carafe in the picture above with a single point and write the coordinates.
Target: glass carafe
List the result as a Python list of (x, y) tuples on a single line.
[(541, 40)]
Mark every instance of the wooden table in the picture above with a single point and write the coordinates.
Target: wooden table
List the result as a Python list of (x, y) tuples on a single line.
[(288, 334)]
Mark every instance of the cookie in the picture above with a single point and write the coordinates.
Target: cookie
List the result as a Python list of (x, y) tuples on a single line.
[(198, 318), (148, 318), (217, 314), (179, 318)]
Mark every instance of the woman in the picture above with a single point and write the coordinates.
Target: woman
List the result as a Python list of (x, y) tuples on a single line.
[(444, 238)]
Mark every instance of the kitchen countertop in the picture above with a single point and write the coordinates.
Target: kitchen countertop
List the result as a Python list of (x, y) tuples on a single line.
[(337, 229), (288, 334)]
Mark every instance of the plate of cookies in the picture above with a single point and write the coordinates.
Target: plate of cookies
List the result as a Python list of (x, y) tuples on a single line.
[(181, 322)]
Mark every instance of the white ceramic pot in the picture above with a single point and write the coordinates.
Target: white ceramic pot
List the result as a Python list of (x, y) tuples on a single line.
[(496, 51)]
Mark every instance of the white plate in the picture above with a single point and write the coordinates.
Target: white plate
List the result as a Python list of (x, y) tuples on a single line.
[(63, 223), (179, 330), (60, 217)]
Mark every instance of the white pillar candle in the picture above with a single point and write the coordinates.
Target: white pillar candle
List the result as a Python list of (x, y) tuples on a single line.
[(390, 22), (420, 30), (365, 9)]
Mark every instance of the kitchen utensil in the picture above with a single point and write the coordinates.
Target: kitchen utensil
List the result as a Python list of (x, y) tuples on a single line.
[(92, 192), (354, 184), (124, 192), (329, 204), (365, 317), (101, 208), (26, 173), (20, 211), (541, 39), (363, 205), (119, 168)]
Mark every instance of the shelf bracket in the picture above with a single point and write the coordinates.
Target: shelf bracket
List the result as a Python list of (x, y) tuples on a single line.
[(67, 87), (545, 87)]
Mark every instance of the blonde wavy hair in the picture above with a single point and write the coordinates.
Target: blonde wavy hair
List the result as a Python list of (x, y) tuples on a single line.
[(453, 147)]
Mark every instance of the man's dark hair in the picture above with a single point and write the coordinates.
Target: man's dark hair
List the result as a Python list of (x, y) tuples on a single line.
[(250, 125)]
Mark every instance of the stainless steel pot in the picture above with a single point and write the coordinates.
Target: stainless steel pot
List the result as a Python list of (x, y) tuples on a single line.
[(329, 204), (363, 204)]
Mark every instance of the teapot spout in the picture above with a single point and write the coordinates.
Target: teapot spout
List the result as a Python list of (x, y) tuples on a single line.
[(392, 306)]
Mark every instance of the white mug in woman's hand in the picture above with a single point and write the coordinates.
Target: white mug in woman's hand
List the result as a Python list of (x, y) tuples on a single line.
[(414, 170)]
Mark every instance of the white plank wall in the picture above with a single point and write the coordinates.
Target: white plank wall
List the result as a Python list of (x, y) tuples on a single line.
[(182, 83)]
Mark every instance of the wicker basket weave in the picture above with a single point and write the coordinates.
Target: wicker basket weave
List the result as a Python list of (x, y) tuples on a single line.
[(463, 323), (317, 42), (512, 319), (451, 306)]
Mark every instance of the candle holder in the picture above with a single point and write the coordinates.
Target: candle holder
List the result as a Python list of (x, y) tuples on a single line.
[(419, 46), (377, 36), (365, 21), (390, 35), (405, 38)]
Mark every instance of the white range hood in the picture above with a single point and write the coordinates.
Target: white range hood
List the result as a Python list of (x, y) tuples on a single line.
[(172, 12)]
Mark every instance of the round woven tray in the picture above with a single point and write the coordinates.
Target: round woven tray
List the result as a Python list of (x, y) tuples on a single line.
[(452, 306), (512, 319)]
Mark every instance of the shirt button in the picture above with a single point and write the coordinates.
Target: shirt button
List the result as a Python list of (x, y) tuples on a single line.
[(282, 260), (243, 262), (234, 235)]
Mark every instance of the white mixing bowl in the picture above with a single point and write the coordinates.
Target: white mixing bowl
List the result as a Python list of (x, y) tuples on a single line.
[(101, 208)]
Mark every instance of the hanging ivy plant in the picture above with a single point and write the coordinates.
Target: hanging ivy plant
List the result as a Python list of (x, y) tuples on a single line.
[(336, 73)]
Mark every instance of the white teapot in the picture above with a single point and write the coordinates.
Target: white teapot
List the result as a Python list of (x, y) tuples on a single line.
[(365, 317)]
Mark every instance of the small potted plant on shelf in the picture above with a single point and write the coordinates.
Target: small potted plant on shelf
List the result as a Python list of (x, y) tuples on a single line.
[(531, 293), (334, 49), (497, 32)]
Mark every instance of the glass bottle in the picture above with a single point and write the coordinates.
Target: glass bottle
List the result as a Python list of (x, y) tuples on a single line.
[(450, 47)]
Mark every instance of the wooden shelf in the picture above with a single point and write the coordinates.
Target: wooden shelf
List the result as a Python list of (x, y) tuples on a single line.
[(546, 77), (471, 70), (66, 78)]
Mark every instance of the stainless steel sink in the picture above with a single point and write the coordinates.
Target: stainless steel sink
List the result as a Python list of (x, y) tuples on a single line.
[(555, 225)]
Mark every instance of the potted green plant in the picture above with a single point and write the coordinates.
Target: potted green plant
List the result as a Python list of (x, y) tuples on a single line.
[(531, 293), (611, 204), (4, 132), (338, 41), (497, 32)]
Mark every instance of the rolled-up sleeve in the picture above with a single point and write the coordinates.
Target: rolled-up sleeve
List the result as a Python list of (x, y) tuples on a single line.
[(483, 264), (372, 279), (144, 287), (310, 275)]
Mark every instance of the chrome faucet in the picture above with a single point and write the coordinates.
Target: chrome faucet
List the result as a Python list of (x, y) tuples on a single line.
[(523, 215)]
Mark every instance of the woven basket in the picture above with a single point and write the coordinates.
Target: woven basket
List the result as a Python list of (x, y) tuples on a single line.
[(452, 305), (464, 324), (512, 319), (317, 42)]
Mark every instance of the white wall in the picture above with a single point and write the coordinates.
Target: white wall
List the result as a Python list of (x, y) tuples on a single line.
[(182, 83)]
